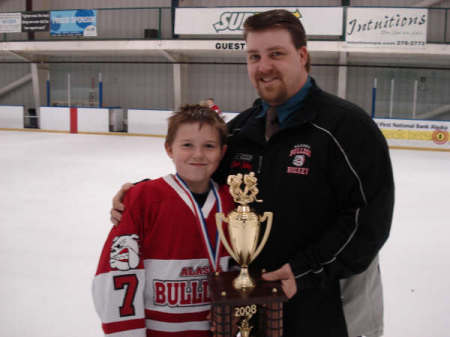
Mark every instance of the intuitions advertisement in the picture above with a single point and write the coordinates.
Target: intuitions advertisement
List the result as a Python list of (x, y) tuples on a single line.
[(386, 27)]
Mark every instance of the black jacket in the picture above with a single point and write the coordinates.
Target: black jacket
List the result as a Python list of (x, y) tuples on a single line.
[(328, 179)]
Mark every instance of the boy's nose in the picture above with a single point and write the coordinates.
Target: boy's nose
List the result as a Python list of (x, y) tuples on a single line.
[(198, 152)]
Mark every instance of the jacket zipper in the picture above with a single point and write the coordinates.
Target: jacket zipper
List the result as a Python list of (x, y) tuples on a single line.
[(260, 160)]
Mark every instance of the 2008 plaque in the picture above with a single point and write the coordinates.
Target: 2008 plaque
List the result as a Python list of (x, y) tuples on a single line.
[(244, 304)]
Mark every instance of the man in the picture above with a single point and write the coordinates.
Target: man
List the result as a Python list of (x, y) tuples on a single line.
[(323, 168)]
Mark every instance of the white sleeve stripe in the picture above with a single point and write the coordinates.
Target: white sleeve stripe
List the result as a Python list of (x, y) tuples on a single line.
[(129, 333), (176, 327), (352, 234), (107, 299)]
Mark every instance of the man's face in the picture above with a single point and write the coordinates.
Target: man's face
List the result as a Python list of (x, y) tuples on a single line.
[(275, 67)]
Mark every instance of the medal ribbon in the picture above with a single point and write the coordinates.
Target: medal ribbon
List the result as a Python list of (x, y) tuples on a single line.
[(213, 255)]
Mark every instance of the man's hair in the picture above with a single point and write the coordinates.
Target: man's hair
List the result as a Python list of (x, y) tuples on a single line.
[(281, 19), (188, 114)]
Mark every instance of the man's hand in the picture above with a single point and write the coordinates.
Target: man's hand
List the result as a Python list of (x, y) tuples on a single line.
[(117, 206), (285, 274)]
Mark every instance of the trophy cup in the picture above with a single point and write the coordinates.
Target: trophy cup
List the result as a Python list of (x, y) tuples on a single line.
[(238, 298)]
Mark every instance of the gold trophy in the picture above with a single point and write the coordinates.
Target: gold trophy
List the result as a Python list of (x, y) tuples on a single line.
[(243, 297), (243, 228)]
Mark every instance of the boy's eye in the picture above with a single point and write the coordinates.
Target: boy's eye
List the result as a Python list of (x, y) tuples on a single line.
[(210, 146), (186, 144)]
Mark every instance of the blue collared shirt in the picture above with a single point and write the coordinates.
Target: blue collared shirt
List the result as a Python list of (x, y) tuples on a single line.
[(285, 110)]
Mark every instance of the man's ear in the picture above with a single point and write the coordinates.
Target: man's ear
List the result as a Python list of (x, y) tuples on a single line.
[(303, 54), (168, 150)]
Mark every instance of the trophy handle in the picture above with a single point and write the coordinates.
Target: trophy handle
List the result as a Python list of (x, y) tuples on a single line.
[(269, 217), (219, 218)]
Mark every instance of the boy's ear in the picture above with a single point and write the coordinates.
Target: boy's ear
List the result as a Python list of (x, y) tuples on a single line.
[(224, 150), (168, 150)]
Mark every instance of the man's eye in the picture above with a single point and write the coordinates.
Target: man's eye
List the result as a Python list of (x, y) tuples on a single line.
[(276, 54), (253, 57)]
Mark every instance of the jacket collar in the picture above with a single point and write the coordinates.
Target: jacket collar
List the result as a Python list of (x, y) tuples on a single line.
[(285, 110), (255, 126), (308, 110)]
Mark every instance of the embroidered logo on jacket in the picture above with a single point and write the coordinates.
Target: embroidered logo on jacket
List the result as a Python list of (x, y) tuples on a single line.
[(124, 252), (298, 157), (242, 161)]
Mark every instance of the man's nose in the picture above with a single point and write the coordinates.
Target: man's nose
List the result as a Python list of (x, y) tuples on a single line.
[(265, 64)]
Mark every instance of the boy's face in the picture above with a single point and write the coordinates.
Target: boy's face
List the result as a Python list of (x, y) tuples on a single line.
[(196, 153)]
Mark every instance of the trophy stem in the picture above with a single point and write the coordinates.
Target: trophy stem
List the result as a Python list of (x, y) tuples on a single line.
[(243, 281)]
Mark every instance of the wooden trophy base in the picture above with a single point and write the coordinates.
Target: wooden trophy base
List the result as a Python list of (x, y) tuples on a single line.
[(261, 306)]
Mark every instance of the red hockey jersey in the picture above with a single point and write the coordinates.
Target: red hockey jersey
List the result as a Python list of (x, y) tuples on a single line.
[(152, 275)]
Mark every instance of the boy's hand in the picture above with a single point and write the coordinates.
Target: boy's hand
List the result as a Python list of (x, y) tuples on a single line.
[(234, 323), (212, 327), (117, 206)]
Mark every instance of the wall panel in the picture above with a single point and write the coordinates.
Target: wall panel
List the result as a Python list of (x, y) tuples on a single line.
[(228, 84), (88, 4), (124, 85), (432, 93), (326, 77), (22, 95), (12, 6), (265, 3)]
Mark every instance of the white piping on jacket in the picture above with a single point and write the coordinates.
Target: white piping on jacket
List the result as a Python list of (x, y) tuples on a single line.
[(357, 211)]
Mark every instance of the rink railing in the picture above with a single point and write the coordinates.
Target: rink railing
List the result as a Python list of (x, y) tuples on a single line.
[(400, 133), (92, 120)]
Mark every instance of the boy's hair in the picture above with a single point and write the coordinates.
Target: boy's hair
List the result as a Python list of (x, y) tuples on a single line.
[(188, 114), (282, 19)]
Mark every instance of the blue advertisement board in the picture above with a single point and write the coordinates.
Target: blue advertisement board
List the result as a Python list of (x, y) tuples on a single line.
[(80, 22)]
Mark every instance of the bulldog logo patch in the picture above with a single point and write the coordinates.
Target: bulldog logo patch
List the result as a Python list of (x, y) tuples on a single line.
[(124, 252), (299, 158)]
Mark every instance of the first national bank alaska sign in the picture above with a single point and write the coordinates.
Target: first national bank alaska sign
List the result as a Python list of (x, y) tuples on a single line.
[(230, 20)]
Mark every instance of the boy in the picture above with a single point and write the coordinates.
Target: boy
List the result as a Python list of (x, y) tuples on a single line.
[(152, 275)]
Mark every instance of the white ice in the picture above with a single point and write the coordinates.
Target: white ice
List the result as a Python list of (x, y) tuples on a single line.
[(55, 197)]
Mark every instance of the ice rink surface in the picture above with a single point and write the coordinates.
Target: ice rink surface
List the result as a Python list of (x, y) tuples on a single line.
[(55, 197)]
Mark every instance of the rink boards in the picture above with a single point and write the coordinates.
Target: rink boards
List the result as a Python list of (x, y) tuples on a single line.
[(399, 133)]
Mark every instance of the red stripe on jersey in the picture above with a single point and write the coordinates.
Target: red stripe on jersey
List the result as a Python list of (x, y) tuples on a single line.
[(132, 324), (190, 333), (176, 318)]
